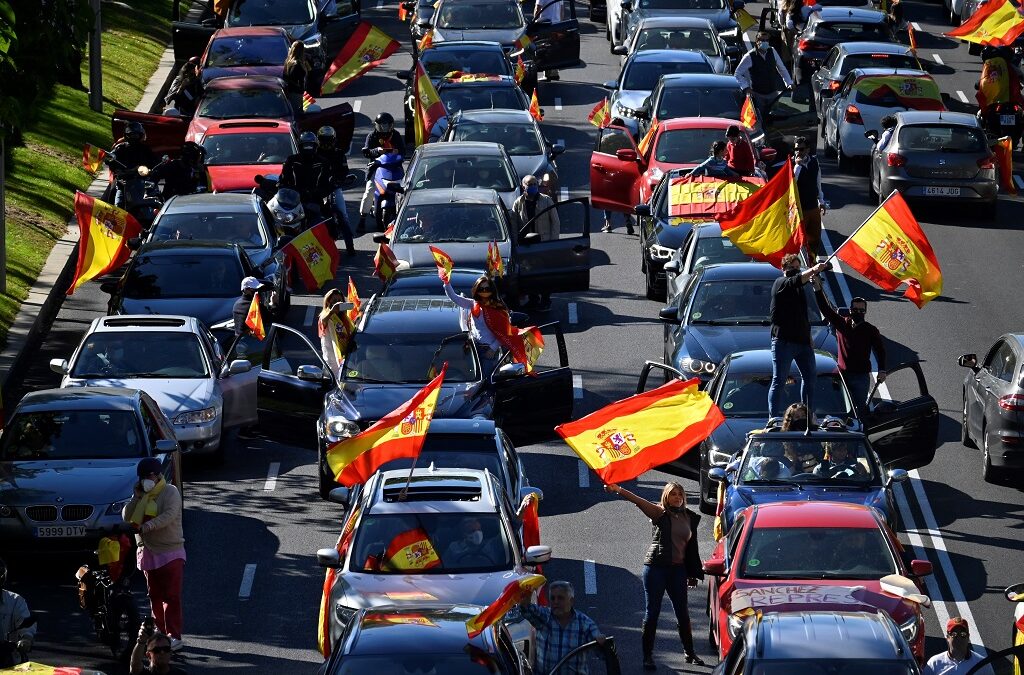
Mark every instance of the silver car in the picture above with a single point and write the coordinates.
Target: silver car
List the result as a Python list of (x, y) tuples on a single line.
[(680, 32), (717, 12), (640, 74), (936, 156), (993, 412), (846, 56)]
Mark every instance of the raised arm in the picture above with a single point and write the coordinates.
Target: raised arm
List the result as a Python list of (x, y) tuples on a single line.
[(460, 300), (650, 509)]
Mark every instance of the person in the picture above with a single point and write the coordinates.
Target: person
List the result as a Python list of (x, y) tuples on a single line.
[(185, 90), (154, 512), (308, 173), (888, 123), (1000, 79), (672, 563), (332, 306), (383, 139), (762, 74), (626, 218), (337, 163), (548, 10), (807, 174), (739, 156), (839, 462), (128, 154), (561, 628), (791, 333), (473, 548), (715, 165), (768, 467), (240, 310), (958, 658), (476, 314), (894, 15), (296, 69), (16, 630), (158, 647), (527, 206), (182, 176)]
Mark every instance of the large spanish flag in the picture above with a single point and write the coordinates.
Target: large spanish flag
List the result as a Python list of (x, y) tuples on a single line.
[(104, 231), (890, 249), (918, 92), (398, 434), (510, 597), (314, 255), (708, 197), (428, 108), (768, 224), (624, 439), (410, 550), (368, 47), (997, 22), (997, 80)]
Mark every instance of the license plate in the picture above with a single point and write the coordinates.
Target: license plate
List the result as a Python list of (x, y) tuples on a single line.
[(61, 531), (1008, 120), (942, 192)]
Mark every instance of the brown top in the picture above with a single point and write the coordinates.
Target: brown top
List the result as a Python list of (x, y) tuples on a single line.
[(680, 535)]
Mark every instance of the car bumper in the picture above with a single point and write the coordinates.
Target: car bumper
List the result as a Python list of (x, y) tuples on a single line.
[(970, 190), (19, 533), (199, 438), (1007, 450)]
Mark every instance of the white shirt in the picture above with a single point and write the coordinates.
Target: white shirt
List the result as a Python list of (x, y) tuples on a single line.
[(943, 664), (478, 330), (742, 72), (797, 168), (550, 9)]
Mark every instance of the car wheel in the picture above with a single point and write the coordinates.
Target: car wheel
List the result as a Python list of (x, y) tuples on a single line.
[(706, 508), (965, 433), (653, 292), (986, 459), (880, 193)]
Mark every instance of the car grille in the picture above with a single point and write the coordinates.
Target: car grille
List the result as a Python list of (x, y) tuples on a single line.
[(42, 514), (76, 512)]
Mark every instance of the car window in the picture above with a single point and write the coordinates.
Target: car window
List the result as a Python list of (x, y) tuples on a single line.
[(739, 302), (457, 222), (732, 538), (850, 31), (255, 50), (942, 138), (611, 140), (440, 62), (518, 138), (511, 461), (746, 395), (250, 348), (681, 4), (288, 351), (270, 12), (152, 432), (643, 75), (161, 277), (807, 460), (712, 250), (252, 148), (463, 172), (878, 61), (458, 98), (691, 39), (816, 553), (486, 16), (224, 226), (700, 102), (477, 662), (221, 104), (1004, 363), (411, 358), (140, 354), (686, 146), (454, 451), (73, 434), (830, 60)]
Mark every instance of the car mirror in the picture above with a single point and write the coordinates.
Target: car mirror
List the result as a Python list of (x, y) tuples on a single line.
[(59, 366), (239, 367), (340, 495), (621, 50), (310, 374), (672, 266), (920, 568), (509, 371), (732, 51), (968, 361), (897, 476), (669, 315), (715, 567), (531, 491), (1015, 593), (557, 149), (530, 238), (871, 135), (716, 474), (109, 287), (380, 238), (626, 154), (537, 555), (166, 445), (611, 85), (642, 210), (134, 243), (328, 557)]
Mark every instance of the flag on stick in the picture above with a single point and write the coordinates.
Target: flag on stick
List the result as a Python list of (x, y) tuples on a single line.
[(367, 48), (104, 231)]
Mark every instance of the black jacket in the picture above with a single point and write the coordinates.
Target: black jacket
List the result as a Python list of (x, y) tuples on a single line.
[(789, 310), (124, 158), (179, 178), (311, 178), (377, 140), (337, 163), (660, 550)]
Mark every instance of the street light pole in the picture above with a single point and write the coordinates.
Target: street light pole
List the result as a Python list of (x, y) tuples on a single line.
[(95, 62)]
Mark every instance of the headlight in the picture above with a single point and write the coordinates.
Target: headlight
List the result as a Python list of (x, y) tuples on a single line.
[(344, 614), (284, 217), (697, 366), (909, 628), (196, 416), (659, 252), (716, 456), (656, 175), (116, 508), (6, 511), (546, 178), (736, 621), (339, 427)]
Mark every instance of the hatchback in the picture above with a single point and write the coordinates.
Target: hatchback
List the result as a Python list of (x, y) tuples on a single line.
[(993, 411), (640, 74), (833, 25)]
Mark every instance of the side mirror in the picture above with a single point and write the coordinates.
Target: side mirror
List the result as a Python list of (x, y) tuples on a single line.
[(1015, 593), (557, 149), (340, 495), (732, 51), (871, 135), (642, 114), (530, 238), (897, 476), (310, 374), (109, 287), (669, 315), (716, 474), (134, 243), (965, 361), (425, 25), (768, 155), (610, 85), (328, 557), (404, 76), (166, 446), (530, 491), (537, 555), (920, 568), (239, 367), (380, 238), (59, 366), (510, 371), (715, 567), (642, 210), (672, 266), (626, 154), (621, 50)]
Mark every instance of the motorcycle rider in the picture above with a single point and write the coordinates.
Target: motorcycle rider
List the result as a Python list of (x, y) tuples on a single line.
[(762, 74), (337, 161), (127, 155), (999, 82), (182, 176), (15, 640), (383, 139), (309, 174)]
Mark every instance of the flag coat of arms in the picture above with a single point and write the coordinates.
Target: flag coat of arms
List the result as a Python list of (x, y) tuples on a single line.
[(314, 256), (996, 23), (428, 108), (409, 551), (368, 47), (103, 239)]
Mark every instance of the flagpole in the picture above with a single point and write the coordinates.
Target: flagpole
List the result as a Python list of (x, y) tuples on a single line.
[(859, 227), (408, 480)]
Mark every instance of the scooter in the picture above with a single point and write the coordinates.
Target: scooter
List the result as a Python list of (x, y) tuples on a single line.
[(285, 205), (1003, 119), (105, 592), (387, 176)]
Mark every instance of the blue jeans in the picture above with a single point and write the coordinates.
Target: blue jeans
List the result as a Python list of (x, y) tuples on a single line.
[(784, 353), (341, 216), (659, 579), (859, 385)]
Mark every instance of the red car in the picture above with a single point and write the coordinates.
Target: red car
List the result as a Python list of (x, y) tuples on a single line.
[(237, 150), (622, 177), (245, 51), (799, 556)]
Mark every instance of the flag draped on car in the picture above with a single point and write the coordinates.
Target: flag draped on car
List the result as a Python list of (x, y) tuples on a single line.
[(917, 92), (768, 224), (626, 438), (367, 48), (511, 596), (385, 264), (92, 158), (427, 106), (254, 319), (708, 197), (601, 115), (103, 239), (314, 256), (748, 113), (890, 249), (996, 23)]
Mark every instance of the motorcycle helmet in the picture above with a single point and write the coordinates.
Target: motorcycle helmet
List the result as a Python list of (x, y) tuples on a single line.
[(384, 123), (307, 144), (327, 137), (134, 132), (193, 153)]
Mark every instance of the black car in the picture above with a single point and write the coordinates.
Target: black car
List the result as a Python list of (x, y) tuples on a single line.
[(833, 25), (695, 95), (492, 93), (422, 281)]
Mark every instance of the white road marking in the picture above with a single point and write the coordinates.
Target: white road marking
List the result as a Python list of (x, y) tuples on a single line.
[(963, 96), (590, 577), (746, 41), (357, 104), (574, 315), (577, 387), (558, 103), (563, 194), (275, 468), (930, 582), (938, 59), (380, 4), (248, 575), (584, 475), (916, 25), (1020, 182), (310, 313)]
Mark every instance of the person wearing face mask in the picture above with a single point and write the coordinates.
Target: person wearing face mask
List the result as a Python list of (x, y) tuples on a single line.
[(959, 657), (154, 512), (807, 175), (762, 74), (535, 213), (471, 549)]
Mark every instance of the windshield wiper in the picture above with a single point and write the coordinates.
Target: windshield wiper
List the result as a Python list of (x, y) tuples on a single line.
[(363, 378), (771, 482)]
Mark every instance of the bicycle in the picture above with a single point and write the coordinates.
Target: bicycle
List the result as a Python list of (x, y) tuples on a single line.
[(105, 592)]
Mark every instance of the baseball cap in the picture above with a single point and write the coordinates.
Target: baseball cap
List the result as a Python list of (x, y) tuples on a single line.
[(957, 622), (147, 466), (251, 284)]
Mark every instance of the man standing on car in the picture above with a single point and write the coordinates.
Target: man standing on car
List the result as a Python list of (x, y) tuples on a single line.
[(762, 73), (807, 174), (560, 628)]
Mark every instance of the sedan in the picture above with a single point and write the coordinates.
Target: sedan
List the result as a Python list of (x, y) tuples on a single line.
[(463, 164), (846, 56), (477, 93), (238, 150), (993, 411), (833, 25), (717, 12), (244, 51), (695, 95), (938, 157), (640, 75), (704, 245), (681, 32)]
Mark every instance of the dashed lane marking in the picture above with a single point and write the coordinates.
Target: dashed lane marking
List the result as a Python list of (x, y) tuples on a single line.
[(916, 25), (930, 582), (248, 575), (357, 104), (563, 194), (577, 387), (963, 96), (1020, 182), (271, 482), (938, 59), (558, 103), (574, 315), (590, 577), (584, 475)]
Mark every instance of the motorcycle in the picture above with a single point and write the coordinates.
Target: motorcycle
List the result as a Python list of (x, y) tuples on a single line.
[(140, 195), (285, 205), (387, 175), (105, 592), (9, 654), (1003, 119)]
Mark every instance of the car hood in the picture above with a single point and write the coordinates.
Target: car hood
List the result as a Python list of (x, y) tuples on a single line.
[(504, 36), (210, 73), (730, 436), (208, 310), (629, 98), (671, 234), (238, 177), (371, 590), (362, 402), (714, 343), (79, 481), (174, 396), (718, 17), (465, 254), (825, 594), (770, 494)]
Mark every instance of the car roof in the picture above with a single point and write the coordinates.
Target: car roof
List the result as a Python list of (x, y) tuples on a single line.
[(494, 115), (696, 123), (700, 80), (418, 277), (851, 14), (453, 196), (740, 270), (815, 514), (412, 315), (247, 125), (219, 202), (187, 246), (249, 31), (760, 361), (145, 323), (502, 81), (873, 47), (79, 398), (382, 632), (829, 635), (434, 490), (936, 116), (468, 427), (674, 22), (250, 82), (668, 56), (452, 148)]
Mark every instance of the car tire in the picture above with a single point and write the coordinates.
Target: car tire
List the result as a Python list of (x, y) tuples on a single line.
[(650, 281), (987, 473), (965, 433), (705, 508)]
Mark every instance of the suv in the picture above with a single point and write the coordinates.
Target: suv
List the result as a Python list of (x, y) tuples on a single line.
[(404, 541)]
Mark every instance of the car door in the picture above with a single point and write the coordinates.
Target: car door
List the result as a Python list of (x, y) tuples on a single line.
[(790, 116), (338, 116), (980, 382), (164, 133), (615, 168), (903, 428), (593, 658), (997, 380), (835, 107), (560, 265), (771, 24), (557, 44), (289, 398), (189, 39), (540, 401)]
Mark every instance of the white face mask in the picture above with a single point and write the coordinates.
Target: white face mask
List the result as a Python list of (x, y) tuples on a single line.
[(475, 538), (148, 484)]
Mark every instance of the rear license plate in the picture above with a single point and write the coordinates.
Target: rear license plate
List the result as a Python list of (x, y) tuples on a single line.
[(942, 192), (1008, 120), (61, 531)]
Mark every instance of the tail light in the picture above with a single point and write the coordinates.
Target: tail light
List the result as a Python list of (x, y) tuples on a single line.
[(834, 85), (809, 45), (1012, 403), (987, 162), (853, 115), (894, 159)]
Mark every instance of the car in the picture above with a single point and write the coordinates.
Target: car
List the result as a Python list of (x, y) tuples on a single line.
[(641, 71), (532, 154), (724, 309), (422, 281), (833, 25), (704, 245), (717, 12), (993, 401), (694, 95), (463, 164), (938, 157), (237, 150), (177, 361), (833, 555), (477, 93), (681, 32), (846, 56), (195, 278), (435, 506), (68, 462), (244, 51), (864, 97), (844, 641)]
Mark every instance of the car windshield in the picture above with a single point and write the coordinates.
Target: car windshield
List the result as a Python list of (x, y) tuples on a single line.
[(807, 461), (431, 543), (456, 14), (230, 226), (834, 667), (460, 222), (686, 146), (712, 250), (519, 138), (269, 50), (816, 553), (248, 148), (643, 75), (72, 434), (878, 61), (461, 97), (849, 31), (942, 138), (455, 451), (746, 395), (692, 39), (439, 62), (453, 171), (475, 662), (681, 4), (161, 277), (222, 104), (157, 354), (738, 302), (410, 358), (270, 12), (700, 102)]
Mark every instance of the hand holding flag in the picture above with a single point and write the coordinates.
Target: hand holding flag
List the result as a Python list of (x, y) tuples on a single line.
[(254, 319), (92, 158), (444, 264)]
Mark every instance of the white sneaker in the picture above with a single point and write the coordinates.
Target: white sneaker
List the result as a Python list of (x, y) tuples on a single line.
[(177, 645)]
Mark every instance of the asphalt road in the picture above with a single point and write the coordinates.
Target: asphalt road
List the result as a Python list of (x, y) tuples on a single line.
[(250, 513)]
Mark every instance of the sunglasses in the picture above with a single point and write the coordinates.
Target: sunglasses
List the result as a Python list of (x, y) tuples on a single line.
[(958, 633), (484, 289), (160, 650)]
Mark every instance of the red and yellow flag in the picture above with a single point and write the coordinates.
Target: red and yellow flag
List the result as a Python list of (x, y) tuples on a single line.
[(744, 20), (385, 264), (748, 113), (628, 437), (368, 47), (254, 319), (718, 531), (103, 238), (495, 265), (912, 37), (314, 255), (403, 13), (708, 197), (520, 73), (323, 633), (92, 158), (444, 264), (918, 92), (996, 83), (523, 43), (409, 619), (411, 550), (768, 224), (535, 110), (1004, 156), (307, 101), (397, 435), (427, 104), (426, 42), (352, 296), (645, 143), (601, 115), (890, 249), (996, 23), (510, 597)]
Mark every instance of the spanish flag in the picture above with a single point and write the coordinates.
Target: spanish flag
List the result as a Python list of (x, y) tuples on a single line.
[(601, 115), (410, 551), (340, 330), (918, 92), (254, 319), (92, 158), (523, 43), (520, 70), (495, 265), (323, 633), (1004, 155), (912, 37), (427, 104), (410, 619), (399, 434), (645, 143), (385, 264), (890, 249), (744, 20), (996, 23), (403, 13), (103, 238), (624, 439), (314, 255), (307, 101), (510, 597), (352, 297), (768, 224), (748, 114), (997, 80), (426, 42), (708, 197), (535, 107), (718, 531), (367, 48), (444, 264)]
